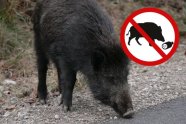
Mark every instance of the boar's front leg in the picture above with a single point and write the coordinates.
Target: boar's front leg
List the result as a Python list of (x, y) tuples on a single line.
[(42, 66), (67, 79)]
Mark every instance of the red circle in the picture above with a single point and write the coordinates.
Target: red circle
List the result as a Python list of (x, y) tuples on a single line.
[(147, 63)]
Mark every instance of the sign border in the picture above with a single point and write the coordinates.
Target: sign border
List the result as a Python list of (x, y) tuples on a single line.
[(155, 10)]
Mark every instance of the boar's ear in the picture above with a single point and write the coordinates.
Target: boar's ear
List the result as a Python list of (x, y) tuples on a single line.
[(160, 28), (97, 59)]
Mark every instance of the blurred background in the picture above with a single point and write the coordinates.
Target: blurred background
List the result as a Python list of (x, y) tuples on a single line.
[(17, 59)]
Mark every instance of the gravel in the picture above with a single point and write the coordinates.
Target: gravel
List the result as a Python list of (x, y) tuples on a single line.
[(149, 86)]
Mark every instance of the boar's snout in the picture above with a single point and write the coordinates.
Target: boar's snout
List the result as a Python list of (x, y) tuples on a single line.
[(129, 113), (122, 104), (123, 110)]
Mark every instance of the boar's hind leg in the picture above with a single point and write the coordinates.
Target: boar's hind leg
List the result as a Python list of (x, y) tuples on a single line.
[(137, 40), (42, 63), (67, 79), (130, 38)]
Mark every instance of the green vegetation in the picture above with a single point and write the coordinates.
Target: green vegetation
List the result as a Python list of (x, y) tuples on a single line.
[(16, 37)]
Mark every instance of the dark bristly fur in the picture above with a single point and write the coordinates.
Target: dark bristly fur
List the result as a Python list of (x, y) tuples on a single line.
[(78, 36)]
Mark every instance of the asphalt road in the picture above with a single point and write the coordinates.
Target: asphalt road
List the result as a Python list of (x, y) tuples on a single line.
[(172, 112)]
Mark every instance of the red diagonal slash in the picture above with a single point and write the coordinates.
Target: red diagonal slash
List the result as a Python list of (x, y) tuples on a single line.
[(147, 37)]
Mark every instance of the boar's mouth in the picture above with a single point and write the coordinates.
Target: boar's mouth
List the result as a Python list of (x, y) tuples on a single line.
[(127, 113), (115, 107)]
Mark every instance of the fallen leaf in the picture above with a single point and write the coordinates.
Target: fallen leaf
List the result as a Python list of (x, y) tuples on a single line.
[(30, 100), (11, 107)]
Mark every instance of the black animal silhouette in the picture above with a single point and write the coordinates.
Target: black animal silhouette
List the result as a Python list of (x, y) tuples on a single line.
[(154, 31)]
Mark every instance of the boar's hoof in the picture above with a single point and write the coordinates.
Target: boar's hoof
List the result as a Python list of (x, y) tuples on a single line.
[(42, 98), (67, 108), (129, 114)]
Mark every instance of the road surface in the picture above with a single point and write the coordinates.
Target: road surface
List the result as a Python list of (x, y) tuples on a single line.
[(172, 112)]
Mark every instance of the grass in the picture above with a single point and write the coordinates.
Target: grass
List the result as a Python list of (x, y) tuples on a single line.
[(7, 12)]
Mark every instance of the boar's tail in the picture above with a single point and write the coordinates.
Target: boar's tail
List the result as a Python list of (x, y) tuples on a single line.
[(128, 32)]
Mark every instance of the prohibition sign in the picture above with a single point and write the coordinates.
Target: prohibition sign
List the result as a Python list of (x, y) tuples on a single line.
[(131, 20)]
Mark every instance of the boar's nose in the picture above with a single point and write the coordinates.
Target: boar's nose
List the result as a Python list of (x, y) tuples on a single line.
[(129, 113)]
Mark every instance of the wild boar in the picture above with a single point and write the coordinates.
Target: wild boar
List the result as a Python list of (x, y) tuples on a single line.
[(77, 35), (154, 31)]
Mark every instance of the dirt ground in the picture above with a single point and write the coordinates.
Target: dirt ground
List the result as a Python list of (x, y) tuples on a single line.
[(149, 86)]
